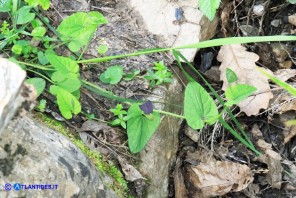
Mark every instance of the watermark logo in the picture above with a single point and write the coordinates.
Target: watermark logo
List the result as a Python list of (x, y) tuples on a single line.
[(7, 186), (17, 186)]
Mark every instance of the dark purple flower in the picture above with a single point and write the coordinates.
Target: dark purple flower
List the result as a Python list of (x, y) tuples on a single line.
[(147, 107)]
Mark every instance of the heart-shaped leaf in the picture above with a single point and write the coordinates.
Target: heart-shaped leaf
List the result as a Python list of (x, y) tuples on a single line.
[(230, 76), (237, 93), (38, 83), (140, 127), (67, 103), (63, 64), (79, 28), (112, 75), (199, 106)]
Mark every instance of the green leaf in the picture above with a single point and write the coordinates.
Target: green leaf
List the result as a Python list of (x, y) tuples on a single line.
[(131, 75), (284, 85), (237, 93), (5, 5), (230, 76), (199, 106), (209, 7), (23, 15), (38, 32), (102, 49), (112, 75), (79, 28), (70, 84), (67, 103), (43, 3), (292, 1), (36, 23), (63, 64), (38, 83), (17, 49), (140, 128), (42, 58), (42, 105)]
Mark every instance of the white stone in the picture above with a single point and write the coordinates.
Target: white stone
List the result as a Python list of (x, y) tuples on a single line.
[(258, 10)]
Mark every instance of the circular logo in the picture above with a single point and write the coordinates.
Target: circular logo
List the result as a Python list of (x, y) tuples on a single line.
[(7, 186), (17, 186)]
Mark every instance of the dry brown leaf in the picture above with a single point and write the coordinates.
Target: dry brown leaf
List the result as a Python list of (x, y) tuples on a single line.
[(291, 133), (179, 184), (284, 74), (271, 158), (283, 102), (216, 178), (225, 17), (243, 64), (130, 172)]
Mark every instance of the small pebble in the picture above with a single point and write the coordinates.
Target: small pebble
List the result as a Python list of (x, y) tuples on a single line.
[(276, 22), (258, 10)]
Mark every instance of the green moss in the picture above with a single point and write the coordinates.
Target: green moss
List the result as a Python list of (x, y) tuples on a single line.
[(120, 185)]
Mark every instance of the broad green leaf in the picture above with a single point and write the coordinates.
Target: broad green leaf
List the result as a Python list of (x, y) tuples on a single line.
[(102, 49), (79, 28), (140, 128), (284, 85), (292, 1), (38, 32), (70, 84), (36, 23), (43, 3), (42, 58), (23, 15), (199, 106), (63, 64), (58, 77), (230, 76), (97, 18), (237, 93), (42, 105), (17, 49), (131, 75), (67, 103), (209, 7), (112, 75), (5, 5), (38, 83)]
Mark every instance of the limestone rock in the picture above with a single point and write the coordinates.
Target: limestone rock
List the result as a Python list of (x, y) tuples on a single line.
[(11, 78), (32, 154)]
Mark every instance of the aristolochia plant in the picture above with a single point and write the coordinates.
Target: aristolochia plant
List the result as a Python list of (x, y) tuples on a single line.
[(63, 73)]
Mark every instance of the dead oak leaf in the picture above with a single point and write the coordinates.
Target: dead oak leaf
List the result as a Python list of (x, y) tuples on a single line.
[(216, 178), (243, 64), (270, 157)]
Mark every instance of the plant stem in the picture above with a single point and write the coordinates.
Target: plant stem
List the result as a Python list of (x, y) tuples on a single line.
[(204, 44), (40, 75), (236, 135), (36, 66), (169, 113)]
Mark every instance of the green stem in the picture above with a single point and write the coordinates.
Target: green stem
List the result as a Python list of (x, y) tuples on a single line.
[(40, 75), (35, 66), (169, 113), (236, 135), (204, 44)]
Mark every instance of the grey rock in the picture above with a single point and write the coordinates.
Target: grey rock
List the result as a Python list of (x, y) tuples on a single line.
[(32, 154)]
